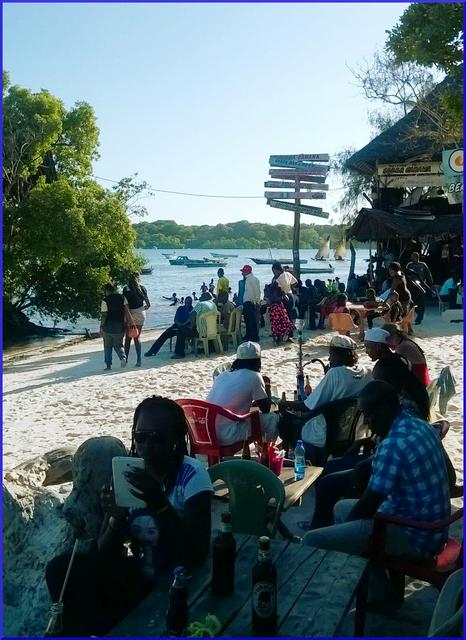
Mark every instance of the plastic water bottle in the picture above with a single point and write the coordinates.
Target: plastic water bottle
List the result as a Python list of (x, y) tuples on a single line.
[(299, 461)]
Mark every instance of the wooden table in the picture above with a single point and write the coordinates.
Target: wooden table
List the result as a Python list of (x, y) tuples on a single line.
[(315, 591)]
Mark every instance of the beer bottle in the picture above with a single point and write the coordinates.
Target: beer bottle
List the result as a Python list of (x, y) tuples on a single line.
[(177, 612), (295, 395), (223, 559), (264, 591), (307, 388), (283, 397)]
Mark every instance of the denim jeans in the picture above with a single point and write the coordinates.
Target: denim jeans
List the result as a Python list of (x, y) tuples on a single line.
[(113, 341), (251, 320)]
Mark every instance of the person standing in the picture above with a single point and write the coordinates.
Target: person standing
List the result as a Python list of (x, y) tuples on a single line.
[(222, 287), (287, 282), (251, 300), (114, 315), (138, 303), (422, 273), (398, 283)]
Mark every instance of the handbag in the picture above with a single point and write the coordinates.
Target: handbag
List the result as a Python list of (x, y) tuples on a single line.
[(132, 331)]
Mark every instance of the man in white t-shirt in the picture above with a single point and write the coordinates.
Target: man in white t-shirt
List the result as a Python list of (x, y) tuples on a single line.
[(236, 390), (344, 379)]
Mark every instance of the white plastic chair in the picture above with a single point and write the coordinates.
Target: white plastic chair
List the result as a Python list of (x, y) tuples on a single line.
[(233, 330), (447, 619), (208, 330)]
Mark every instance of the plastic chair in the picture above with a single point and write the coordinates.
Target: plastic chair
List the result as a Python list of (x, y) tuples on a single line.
[(442, 306), (207, 325), (233, 330), (342, 322), (435, 570), (201, 418), (447, 619), (256, 496)]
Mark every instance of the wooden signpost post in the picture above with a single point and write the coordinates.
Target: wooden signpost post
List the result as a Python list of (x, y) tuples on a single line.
[(305, 174)]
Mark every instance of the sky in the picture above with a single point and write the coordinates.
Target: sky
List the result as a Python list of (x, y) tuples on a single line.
[(196, 97)]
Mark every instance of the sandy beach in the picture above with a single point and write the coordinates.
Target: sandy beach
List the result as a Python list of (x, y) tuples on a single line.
[(56, 397)]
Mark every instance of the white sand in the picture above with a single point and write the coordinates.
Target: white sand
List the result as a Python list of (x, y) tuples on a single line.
[(61, 397)]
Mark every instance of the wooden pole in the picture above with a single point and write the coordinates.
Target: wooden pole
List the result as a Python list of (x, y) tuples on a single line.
[(296, 231)]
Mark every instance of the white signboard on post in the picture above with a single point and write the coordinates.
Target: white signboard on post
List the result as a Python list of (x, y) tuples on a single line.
[(308, 157), (296, 195), (300, 208)]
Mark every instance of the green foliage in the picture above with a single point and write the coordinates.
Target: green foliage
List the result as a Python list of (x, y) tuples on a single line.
[(64, 235), (167, 234), (430, 34), (354, 183)]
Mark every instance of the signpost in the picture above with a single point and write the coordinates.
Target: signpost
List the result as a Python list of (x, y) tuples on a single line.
[(294, 174), (283, 184), (305, 174), (296, 195)]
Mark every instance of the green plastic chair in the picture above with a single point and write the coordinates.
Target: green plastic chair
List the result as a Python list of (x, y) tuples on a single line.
[(256, 495)]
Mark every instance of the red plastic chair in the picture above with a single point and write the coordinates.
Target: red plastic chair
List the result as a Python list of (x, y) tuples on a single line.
[(201, 417), (435, 571)]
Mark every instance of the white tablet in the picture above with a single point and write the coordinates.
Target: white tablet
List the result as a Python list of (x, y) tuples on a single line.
[(121, 485)]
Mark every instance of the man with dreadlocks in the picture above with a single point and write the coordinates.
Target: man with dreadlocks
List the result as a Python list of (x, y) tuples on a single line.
[(174, 528)]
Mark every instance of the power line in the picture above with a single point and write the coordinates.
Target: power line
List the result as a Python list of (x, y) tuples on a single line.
[(197, 195)]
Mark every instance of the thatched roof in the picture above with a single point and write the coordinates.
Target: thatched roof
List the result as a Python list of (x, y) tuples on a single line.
[(374, 224), (405, 139)]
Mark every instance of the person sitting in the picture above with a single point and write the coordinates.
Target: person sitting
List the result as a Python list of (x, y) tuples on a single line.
[(227, 309), (236, 390), (205, 294), (403, 345), (343, 379), (106, 584), (448, 290), (392, 308), (204, 305), (350, 473), (181, 322), (408, 478), (375, 343), (371, 303)]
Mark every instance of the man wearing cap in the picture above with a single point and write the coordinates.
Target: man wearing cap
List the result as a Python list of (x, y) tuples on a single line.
[(250, 301), (236, 390), (344, 379), (375, 343)]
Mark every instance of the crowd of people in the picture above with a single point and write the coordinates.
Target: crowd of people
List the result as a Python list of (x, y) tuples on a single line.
[(399, 467)]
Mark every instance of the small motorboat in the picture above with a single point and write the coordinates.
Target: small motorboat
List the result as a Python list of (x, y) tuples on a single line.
[(179, 260), (206, 262), (272, 260), (223, 255), (328, 269), (146, 271)]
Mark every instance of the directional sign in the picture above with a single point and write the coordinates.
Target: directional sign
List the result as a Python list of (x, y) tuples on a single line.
[(300, 208), (289, 174), (283, 184), (317, 169), (295, 195), (312, 157)]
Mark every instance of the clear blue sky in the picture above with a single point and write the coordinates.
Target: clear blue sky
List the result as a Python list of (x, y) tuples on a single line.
[(195, 97)]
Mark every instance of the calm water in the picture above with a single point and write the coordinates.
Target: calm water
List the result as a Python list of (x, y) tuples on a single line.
[(166, 278)]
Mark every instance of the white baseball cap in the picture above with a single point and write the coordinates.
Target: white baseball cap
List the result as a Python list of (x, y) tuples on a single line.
[(376, 335), (343, 342), (248, 351)]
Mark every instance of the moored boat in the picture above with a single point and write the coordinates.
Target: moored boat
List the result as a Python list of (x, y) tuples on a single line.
[(223, 255), (272, 260), (179, 260), (145, 271), (328, 269)]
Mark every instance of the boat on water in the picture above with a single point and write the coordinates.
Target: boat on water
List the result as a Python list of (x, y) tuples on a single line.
[(179, 260), (223, 255), (146, 271), (324, 251), (206, 262), (272, 260), (328, 269), (340, 251)]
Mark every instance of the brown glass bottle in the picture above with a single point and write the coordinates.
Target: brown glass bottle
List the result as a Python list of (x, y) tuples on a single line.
[(264, 591), (223, 559), (178, 613)]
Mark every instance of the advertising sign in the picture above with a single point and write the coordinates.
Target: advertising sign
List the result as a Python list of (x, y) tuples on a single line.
[(293, 174), (316, 169), (452, 164), (283, 184)]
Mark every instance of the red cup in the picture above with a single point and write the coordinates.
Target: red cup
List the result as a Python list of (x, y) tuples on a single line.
[(276, 465)]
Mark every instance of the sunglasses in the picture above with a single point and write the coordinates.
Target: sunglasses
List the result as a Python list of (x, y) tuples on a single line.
[(143, 436)]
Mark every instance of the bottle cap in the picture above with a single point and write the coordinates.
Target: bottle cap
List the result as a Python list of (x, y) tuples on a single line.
[(179, 571), (299, 443), (264, 543), (226, 517)]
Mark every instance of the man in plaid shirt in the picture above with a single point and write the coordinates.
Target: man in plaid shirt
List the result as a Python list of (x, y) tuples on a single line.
[(409, 479)]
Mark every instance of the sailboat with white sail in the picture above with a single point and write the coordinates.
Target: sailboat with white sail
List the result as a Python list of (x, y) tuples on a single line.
[(324, 251), (340, 251)]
